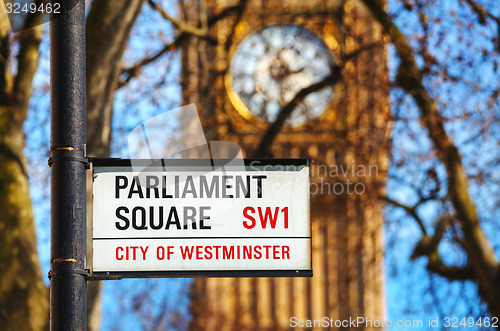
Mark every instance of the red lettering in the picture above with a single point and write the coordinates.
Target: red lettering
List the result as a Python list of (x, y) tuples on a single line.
[(169, 251), (131, 252), (268, 215), (119, 257), (134, 249), (186, 252), (257, 251), (267, 247), (286, 252), (143, 251), (227, 254), (247, 252), (160, 253), (217, 252), (285, 212), (251, 224), (276, 252), (199, 251), (208, 252)]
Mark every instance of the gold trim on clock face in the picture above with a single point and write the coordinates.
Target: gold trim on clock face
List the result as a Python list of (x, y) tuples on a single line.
[(270, 66)]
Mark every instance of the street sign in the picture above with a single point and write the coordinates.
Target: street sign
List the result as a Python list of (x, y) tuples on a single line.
[(175, 218)]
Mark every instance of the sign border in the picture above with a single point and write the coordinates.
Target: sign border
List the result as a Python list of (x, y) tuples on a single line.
[(215, 163), (118, 162)]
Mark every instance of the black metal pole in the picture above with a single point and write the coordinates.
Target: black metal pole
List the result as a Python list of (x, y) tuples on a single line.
[(68, 292)]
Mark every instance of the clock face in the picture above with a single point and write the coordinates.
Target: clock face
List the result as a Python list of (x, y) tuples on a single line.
[(272, 65)]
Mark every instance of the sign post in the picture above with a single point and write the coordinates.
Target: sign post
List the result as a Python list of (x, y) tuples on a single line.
[(184, 218), (68, 292), (168, 218)]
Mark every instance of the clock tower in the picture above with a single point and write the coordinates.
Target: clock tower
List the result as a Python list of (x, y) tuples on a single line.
[(258, 58)]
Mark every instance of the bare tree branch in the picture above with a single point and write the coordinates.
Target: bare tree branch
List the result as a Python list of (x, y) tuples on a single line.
[(410, 210), (108, 28), (363, 48), (29, 40), (4, 70), (134, 70), (428, 246), (483, 14), (409, 78), (264, 148), (181, 25), (240, 8), (436, 265)]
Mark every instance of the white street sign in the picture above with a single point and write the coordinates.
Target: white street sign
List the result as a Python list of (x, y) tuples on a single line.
[(195, 220)]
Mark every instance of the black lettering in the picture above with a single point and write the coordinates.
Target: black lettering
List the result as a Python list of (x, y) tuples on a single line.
[(225, 186), (204, 217), (189, 217), (176, 186), (123, 218), (152, 184), (173, 212), (137, 184), (259, 184), (214, 186), (160, 217), (240, 186), (189, 187), (164, 194), (118, 187), (142, 225)]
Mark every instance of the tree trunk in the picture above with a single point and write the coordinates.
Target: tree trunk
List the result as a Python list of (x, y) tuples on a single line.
[(23, 296), (108, 29)]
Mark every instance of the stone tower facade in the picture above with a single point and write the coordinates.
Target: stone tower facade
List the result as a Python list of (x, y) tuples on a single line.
[(348, 144)]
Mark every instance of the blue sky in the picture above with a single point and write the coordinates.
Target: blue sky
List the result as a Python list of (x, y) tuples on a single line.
[(411, 292)]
